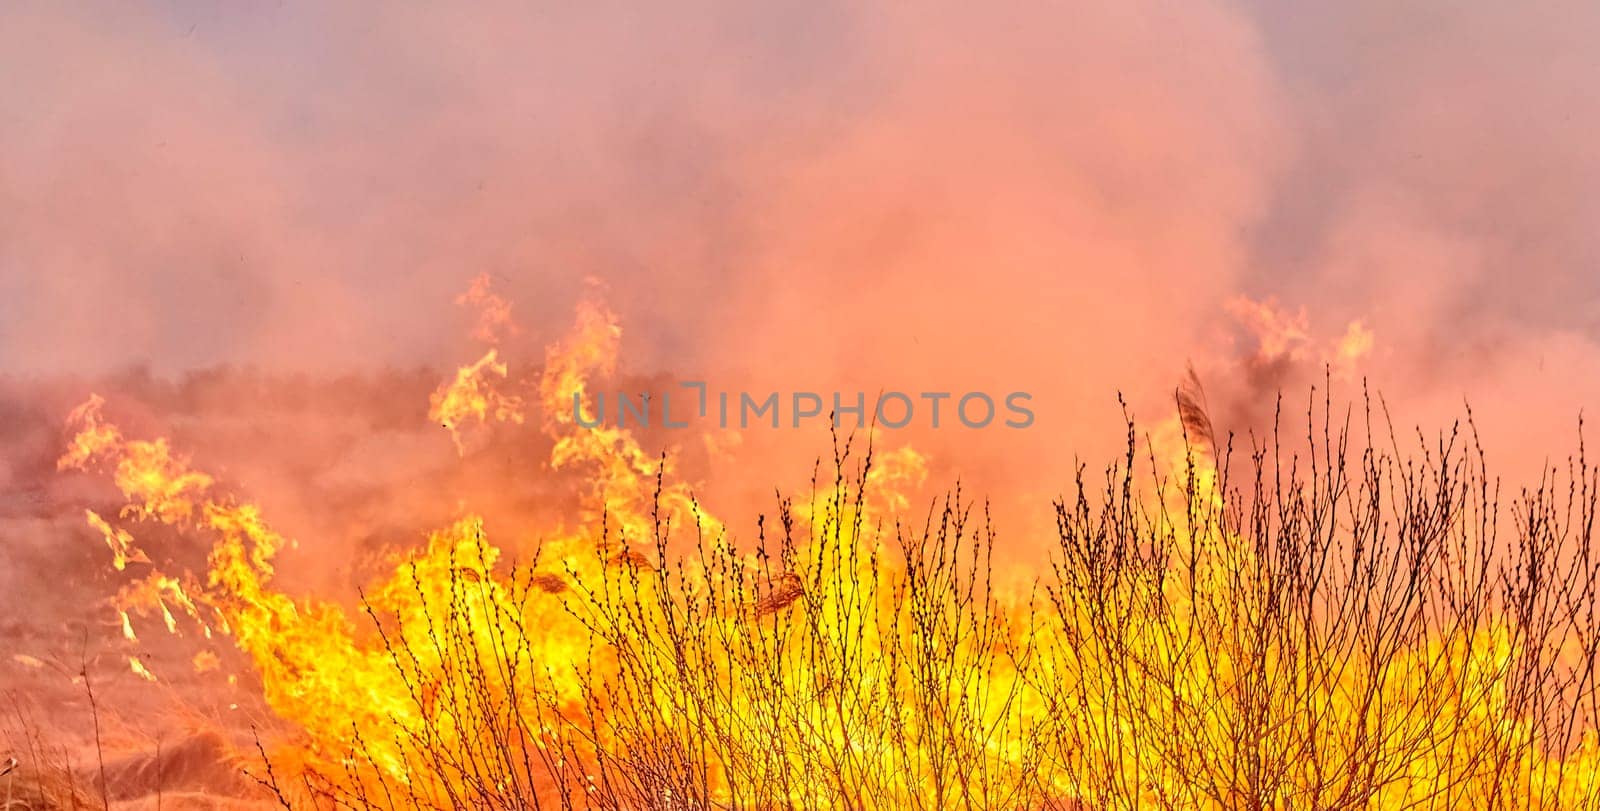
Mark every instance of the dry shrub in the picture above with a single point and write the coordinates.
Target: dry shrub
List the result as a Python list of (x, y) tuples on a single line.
[(1359, 625)]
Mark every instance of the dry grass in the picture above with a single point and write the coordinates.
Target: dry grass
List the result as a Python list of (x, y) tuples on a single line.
[(1362, 625), (37, 773)]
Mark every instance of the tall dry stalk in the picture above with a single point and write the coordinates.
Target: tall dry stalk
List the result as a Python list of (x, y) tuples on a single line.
[(1360, 624)]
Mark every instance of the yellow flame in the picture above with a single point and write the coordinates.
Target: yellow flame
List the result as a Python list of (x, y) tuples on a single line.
[(315, 668), (352, 691), (118, 540), (139, 669), (472, 397), (623, 479)]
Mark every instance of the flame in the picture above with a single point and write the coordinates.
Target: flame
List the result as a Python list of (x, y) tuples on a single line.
[(140, 670), (158, 593), (156, 484), (120, 542), (624, 479), (1278, 333), (1281, 335), (494, 313), (830, 646), (472, 397), (315, 667)]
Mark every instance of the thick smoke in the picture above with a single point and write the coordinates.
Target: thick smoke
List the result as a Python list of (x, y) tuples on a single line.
[(1070, 201), (267, 212)]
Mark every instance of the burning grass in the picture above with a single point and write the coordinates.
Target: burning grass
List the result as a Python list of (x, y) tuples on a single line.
[(1356, 629), (1359, 624)]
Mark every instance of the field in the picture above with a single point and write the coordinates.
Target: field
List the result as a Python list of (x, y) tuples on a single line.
[(1359, 622)]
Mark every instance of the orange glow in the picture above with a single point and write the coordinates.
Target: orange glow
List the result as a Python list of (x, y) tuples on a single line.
[(120, 542), (472, 398), (955, 692)]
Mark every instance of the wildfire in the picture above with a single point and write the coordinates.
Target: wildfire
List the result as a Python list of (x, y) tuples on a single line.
[(474, 395), (118, 540), (494, 313), (848, 658), (1281, 335), (316, 668)]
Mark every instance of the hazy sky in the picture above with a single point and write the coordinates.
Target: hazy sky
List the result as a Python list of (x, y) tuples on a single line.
[(1062, 198)]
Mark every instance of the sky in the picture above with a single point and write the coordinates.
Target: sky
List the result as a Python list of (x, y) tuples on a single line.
[(1074, 200)]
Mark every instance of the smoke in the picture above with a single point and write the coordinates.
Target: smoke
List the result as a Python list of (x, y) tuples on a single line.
[(1066, 200), (248, 226), (1443, 193)]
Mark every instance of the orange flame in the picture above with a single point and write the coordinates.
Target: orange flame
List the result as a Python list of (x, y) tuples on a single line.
[(472, 398), (351, 692)]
